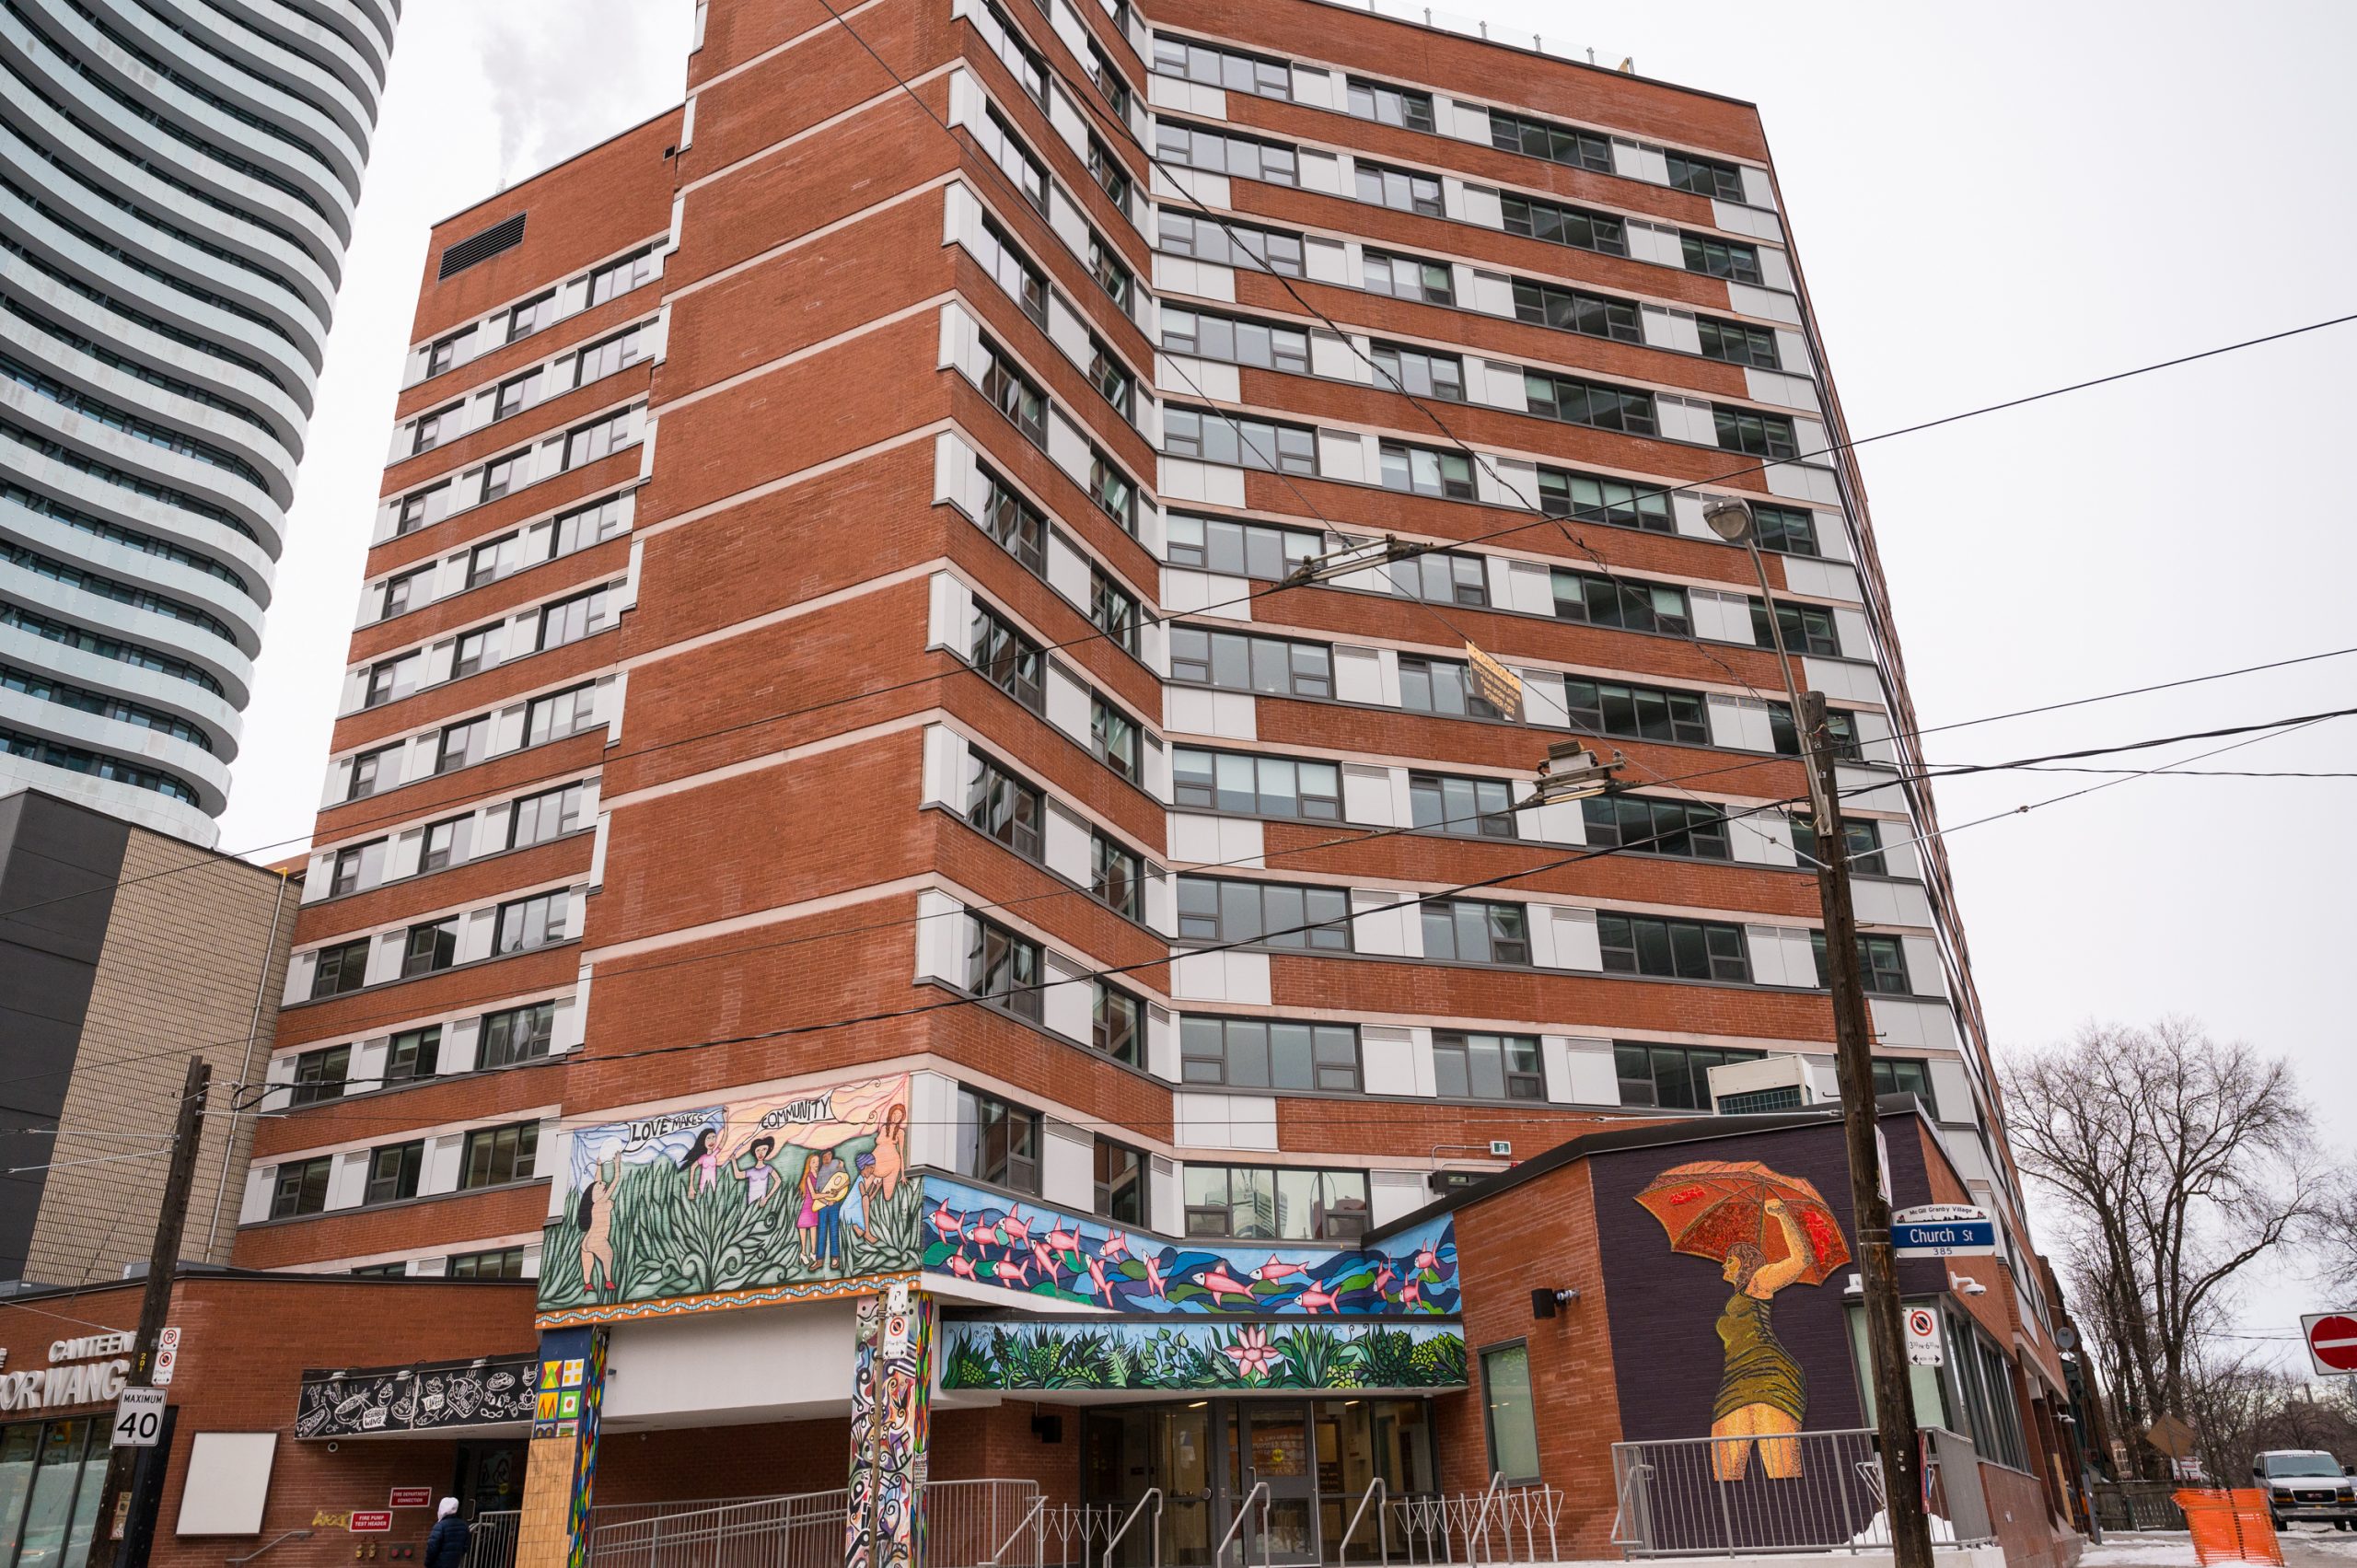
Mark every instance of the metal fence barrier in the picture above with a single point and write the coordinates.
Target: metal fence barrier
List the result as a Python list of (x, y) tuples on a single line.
[(1805, 1491), (492, 1539), (1501, 1524), (2136, 1506)]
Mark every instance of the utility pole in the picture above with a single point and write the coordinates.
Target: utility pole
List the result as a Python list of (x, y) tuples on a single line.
[(163, 1260), (1853, 1035)]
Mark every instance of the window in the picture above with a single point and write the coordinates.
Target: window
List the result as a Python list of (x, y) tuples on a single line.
[(413, 1053), (461, 744), (393, 1172), (997, 1143), (1404, 277), (1014, 395), (341, 968), (301, 1189), (1474, 808), (1113, 737), (473, 647), (1120, 1183), (1004, 806), (1017, 526), (1214, 437), (533, 923), (1571, 311), (1903, 1075), (411, 514), (606, 357), (1256, 786), (1003, 966), (1255, 1204), (1118, 1027), (537, 818), (1222, 68), (1556, 144), (1882, 963), (1235, 340), (380, 1271), (496, 1155), (1672, 949), (1841, 730), (1421, 471), (360, 864), (1508, 1417), (1007, 660), (431, 946), (1115, 493), (444, 354), (570, 619), (1111, 378), (1239, 549), (1107, 170), (320, 1074), (1420, 373), (560, 713), (1473, 931), (1236, 661), (1440, 686), (1636, 713), (1705, 178), (1685, 827), (624, 273), (1269, 1054), (1215, 152), (1439, 577), (482, 562), (1805, 628), (518, 1034), (1113, 610), (1006, 263), (1615, 601), (1116, 878), (1614, 502), (515, 393), (401, 591), (1786, 528), (1007, 43), (500, 476), (1105, 265), (1675, 1077), (500, 1263), (1486, 1066), (599, 436), (530, 316), (1761, 435), (1391, 106), (1401, 189), (428, 432), (1228, 245), (1736, 344), (1575, 227), (1212, 908), (1720, 257), (1863, 839), (1589, 402), (1006, 149)]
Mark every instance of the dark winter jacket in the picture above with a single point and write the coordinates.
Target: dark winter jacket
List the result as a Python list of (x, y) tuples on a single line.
[(447, 1546)]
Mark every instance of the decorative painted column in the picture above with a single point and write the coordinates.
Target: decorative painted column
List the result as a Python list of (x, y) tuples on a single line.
[(561, 1467), (891, 1402)]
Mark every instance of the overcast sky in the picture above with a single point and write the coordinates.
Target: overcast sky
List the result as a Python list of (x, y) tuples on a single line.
[(1989, 200)]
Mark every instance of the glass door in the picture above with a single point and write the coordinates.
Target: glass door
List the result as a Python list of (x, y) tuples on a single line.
[(1192, 1515), (1275, 1448)]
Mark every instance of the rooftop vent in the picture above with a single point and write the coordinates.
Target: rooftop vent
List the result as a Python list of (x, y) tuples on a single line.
[(505, 235)]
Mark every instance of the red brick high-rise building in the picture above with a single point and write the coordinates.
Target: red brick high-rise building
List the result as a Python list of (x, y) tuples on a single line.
[(869, 760)]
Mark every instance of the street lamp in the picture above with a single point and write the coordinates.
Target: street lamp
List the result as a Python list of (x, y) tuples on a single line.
[(1571, 772), (1351, 558), (1731, 518)]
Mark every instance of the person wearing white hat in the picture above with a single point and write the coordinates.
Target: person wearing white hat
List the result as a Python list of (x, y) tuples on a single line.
[(447, 1546)]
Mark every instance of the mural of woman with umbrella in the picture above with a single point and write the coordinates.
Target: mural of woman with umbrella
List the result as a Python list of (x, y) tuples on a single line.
[(1765, 1231)]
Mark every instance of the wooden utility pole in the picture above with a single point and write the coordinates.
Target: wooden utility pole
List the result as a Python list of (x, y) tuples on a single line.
[(163, 1261), (1853, 1034)]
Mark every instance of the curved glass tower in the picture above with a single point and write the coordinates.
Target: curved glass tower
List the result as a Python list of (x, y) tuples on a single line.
[(178, 180)]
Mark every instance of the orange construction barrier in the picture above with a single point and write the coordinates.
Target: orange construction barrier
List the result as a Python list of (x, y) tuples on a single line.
[(2230, 1526)]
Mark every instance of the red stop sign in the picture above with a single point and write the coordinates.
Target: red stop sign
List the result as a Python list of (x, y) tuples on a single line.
[(2333, 1341)]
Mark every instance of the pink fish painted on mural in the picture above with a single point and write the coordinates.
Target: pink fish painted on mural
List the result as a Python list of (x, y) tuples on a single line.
[(984, 1235), (950, 1225), (1116, 1247), (1047, 1259), (1313, 1298), (1221, 1283), (1016, 1274), (1018, 1232), (1384, 1280), (1428, 1258), (960, 1266), (1412, 1294), (1099, 1286), (1062, 1238), (1154, 1286), (1276, 1269)]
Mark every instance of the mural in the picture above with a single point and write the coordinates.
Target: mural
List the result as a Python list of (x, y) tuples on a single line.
[(891, 1400), (800, 1190), (984, 1354), (1766, 1231), (425, 1397), (989, 1238)]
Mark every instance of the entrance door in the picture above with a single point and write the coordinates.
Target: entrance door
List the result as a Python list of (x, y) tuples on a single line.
[(1274, 1447), (1191, 1515)]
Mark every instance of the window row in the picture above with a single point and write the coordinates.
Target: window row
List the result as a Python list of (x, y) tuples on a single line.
[(490, 1157), (469, 836), (1017, 666), (502, 555), (519, 925), (555, 715), (502, 1038)]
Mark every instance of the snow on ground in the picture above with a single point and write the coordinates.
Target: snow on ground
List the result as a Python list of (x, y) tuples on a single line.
[(2158, 1549)]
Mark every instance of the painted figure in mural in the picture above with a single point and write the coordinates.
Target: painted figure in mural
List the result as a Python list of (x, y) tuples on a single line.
[(703, 1158), (1762, 1393), (754, 1168), (829, 1183), (595, 1215), (880, 1175)]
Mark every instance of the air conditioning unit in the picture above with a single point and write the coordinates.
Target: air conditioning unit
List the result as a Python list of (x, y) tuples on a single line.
[(1773, 1083)]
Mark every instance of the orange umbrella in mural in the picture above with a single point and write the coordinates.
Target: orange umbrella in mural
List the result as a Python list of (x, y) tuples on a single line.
[(1711, 1205)]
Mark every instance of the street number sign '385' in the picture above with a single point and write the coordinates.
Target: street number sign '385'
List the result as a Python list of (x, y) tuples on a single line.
[(138, 1418)]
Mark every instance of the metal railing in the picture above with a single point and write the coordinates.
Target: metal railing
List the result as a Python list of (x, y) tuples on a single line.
[(802, 1530), (1802, 1492), (1377, 1488), (1260, 1493), (1154, 1531), (2136, 1506), (490, 1540), (1500, 1524)]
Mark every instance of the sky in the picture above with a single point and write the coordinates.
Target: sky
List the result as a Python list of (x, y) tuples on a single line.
[(1988, 202)]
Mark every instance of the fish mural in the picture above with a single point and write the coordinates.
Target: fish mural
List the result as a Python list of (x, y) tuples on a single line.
[(982, 1353), (989, 1238)]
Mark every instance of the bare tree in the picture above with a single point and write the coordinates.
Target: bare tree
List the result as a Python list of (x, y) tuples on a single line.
[(2179, 1160)]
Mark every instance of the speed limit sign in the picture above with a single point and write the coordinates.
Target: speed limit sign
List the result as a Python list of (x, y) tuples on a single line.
[(138, 1418)]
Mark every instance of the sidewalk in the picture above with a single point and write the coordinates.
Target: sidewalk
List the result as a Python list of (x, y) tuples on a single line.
[(2305, 1546)]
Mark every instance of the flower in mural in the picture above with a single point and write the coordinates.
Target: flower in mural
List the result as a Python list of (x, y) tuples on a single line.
[(1251, 1353)]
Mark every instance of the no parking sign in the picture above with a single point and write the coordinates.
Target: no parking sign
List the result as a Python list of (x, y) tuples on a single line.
[(1922, 1336)]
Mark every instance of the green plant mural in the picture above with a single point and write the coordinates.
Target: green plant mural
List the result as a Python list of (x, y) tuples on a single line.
[(1008, 1355)]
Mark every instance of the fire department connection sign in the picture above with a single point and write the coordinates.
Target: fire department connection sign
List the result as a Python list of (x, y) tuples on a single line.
[(2332, 1342)]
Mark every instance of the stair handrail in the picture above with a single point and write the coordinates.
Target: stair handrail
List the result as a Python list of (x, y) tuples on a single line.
[(1260, 1493), (1382, 1524), (1153, 1495), (286, 1534), (1029, 1515)]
